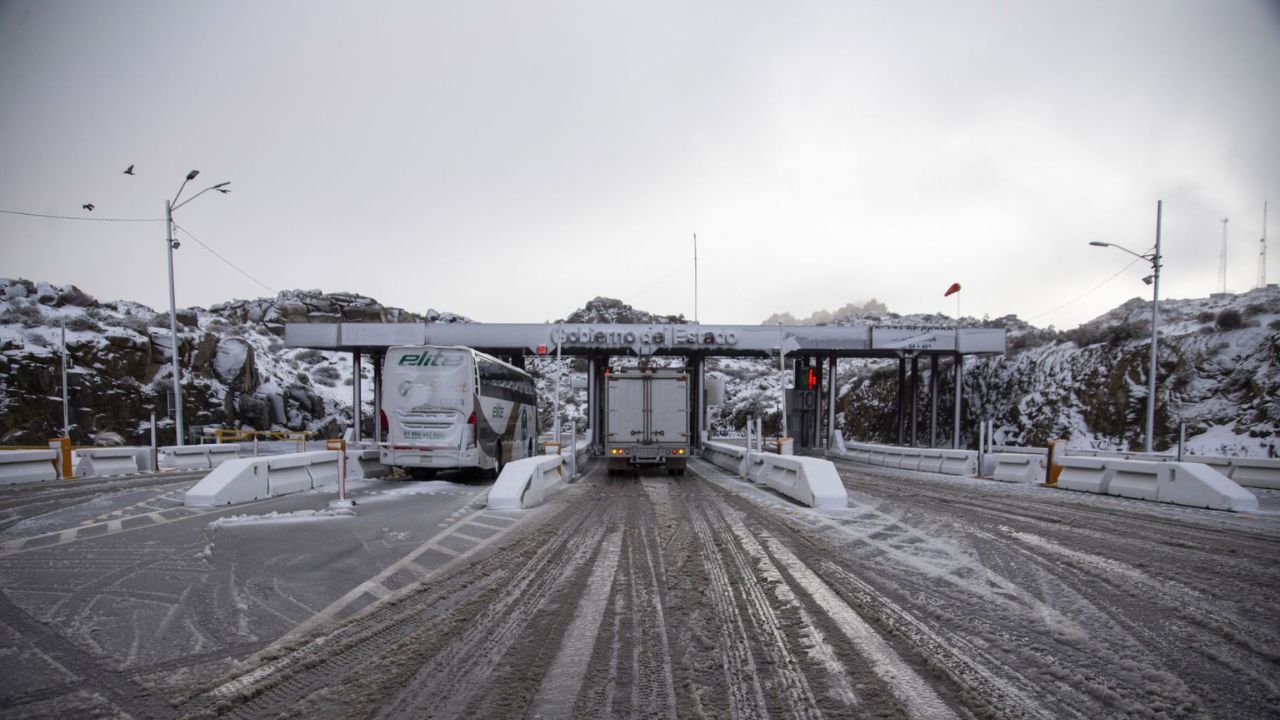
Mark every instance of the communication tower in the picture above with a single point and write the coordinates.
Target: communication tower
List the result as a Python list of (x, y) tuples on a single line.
[(1222, 260), (1262, 253)]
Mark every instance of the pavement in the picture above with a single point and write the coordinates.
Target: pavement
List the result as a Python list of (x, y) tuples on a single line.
[(927, 597), (116, 586)]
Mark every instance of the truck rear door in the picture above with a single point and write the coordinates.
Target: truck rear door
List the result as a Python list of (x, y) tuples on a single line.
[(669, 400), (626, 409)]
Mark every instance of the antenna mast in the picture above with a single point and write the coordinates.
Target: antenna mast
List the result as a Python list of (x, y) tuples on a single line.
[(1262, 254), (695, 277), (1222, 260)]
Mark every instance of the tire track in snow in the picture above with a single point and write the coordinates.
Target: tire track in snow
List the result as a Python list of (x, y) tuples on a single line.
[(906, 685), (563, 681), (786, 679), (449, 680), (746, 697)]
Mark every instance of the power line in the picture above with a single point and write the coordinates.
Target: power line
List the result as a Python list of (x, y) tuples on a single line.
[(1086, 292), (215, 254), (69, 217)]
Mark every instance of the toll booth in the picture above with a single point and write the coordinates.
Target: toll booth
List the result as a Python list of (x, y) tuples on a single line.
[(804, 403)]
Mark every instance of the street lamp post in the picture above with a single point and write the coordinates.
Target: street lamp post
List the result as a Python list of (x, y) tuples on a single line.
[(1154, 281), (172, 244)]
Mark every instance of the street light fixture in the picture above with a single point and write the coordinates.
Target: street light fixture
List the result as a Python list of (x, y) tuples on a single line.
[(1153, 280), (172, 244)]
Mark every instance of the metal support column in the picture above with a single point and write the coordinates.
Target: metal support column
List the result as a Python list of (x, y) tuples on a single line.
[(702, 402), (915, 397), (902, 382), (832, 386), (694, 368), (959, 373), (355, 396), (593, 428), (377, 395), (933, 400)]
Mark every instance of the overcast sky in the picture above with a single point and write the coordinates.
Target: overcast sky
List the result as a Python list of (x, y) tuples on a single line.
[(510, 161)]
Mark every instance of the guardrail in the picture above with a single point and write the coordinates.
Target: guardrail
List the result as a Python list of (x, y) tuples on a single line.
[(24, 466), (527, 482), (1179, 483), (947, 462)]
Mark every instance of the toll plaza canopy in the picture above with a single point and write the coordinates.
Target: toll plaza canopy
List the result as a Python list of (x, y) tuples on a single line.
[(807, 345), (653, 339)]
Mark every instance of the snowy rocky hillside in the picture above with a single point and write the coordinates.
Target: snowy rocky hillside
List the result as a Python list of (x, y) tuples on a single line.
[(236, 370), (1219, 371)]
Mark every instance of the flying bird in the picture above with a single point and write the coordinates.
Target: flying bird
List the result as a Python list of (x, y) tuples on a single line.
[(129, 171), (88, 206)]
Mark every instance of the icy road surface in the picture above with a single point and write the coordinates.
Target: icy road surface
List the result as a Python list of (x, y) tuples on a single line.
[(696, 596), (701, 596)]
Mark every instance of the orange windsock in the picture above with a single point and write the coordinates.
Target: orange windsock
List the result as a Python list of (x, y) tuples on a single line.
[(955, 288)]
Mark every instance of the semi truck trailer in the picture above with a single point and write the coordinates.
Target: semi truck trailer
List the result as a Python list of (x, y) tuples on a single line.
[(647, 420)]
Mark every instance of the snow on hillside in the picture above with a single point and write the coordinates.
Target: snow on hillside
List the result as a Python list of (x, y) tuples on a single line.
[(237, 371), (1219, 371)]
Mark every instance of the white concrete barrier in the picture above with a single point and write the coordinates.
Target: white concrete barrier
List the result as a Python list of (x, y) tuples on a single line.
[(1084, 474), (1021, 450), (947, 462), (808, 480), (736, 459), (364, 463), (1198, 485), (197, 457), (24, 466), (527, 482), (725, 455), (1245, 471), (1254, 472), (234, 481), (1178, 483), (99, 462), (289, 474), (1017, 467), (245, 479), (327, 470)]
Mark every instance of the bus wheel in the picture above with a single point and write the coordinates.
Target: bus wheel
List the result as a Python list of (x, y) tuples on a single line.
[(497, 454)]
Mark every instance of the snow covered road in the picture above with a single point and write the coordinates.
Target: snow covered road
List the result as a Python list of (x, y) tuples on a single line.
[(705, 597), (696, 596)]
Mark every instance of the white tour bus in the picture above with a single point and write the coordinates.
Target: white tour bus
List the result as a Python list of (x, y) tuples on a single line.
[(453, 407)]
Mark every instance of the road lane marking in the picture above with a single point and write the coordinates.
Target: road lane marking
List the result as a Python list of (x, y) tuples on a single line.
[(334, 609)]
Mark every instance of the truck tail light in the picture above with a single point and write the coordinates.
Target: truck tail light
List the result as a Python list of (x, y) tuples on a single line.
[(677, 451), (382, 422)]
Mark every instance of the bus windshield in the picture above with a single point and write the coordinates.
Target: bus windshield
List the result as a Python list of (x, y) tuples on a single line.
[(429, 379)]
